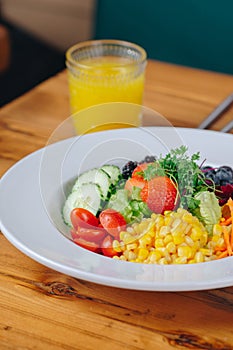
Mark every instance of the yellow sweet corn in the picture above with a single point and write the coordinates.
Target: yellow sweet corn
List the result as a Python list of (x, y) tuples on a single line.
[(172, 238)]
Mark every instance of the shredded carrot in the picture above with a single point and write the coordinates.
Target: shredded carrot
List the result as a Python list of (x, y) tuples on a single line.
[(222, 255), (220, 249), (230, 204), (227, 248), (227, 240), (231, 237), (226, 222)]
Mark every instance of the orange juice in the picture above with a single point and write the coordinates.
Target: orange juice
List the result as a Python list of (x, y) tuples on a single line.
[(99, 79)]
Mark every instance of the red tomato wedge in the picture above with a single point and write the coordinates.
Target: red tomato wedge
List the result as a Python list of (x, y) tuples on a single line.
[(107, 248), (139, 169), (91, 235), (92, 246), (134, 182), (81, 217), (160, 194), (113, 222)]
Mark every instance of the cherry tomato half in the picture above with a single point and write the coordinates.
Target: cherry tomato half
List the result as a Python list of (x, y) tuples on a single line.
[(91, 235), (113, 222), (107, 248), (92, 246), (81, 217)]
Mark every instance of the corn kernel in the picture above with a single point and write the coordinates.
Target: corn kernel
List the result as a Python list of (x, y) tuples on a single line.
[(203, 239), (144, 241), (173, 258), (154, 256), (176, 223), (131, 246), (196, 234), (184, 251), (126, 254), (171, 247), (163, 261), (199, 257), (191, 261), (168, 238), (132, 256), (151, 231), (116, 246), (164, 230), (163, 251), (116, 257), (180, 260), (206, 252), (187, 229), (178, 237), (159, 243), (189, 241), (196, 245), (168, 220), (142, 254), (127, 238), (122, 257), (168, 258), (193, 250), (159, 221), (188, 218)]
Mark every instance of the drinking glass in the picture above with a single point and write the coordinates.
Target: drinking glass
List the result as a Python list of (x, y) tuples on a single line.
[(105, 71)]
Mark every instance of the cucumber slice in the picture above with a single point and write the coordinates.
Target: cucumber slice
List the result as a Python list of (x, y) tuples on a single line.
[(96, 176), (88, 197), (113, 171)]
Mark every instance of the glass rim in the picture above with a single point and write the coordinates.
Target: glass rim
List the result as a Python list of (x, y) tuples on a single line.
[(95, 43)]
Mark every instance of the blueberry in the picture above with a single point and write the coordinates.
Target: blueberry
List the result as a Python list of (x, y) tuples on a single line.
[(148, 159), (224, 175), (209, 173)]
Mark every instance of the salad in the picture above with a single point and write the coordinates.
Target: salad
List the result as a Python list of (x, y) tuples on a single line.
[(162, 210)]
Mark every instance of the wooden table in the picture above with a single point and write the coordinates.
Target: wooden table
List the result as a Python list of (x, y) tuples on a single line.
[(43, 309)]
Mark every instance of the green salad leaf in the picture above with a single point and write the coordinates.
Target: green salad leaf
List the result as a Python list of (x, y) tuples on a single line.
[(209, 210)]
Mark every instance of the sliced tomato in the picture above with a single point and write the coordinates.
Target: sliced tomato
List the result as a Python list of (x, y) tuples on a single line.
[(113, 222), (134, 182), (107, 248), (73, 233), (92, 246), (91, 235), (81, 217), (138, 171), (160, 194)]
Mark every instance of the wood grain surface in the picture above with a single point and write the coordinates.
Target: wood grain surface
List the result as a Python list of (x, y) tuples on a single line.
[(44, 309)]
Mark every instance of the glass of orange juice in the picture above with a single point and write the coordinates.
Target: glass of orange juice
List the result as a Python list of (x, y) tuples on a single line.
[(103, 72)]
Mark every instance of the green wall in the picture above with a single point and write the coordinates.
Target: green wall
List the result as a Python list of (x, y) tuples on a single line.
[(197, 33)]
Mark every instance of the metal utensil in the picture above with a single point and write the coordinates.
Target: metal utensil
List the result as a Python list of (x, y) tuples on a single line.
[(216, 113), (227, 127)]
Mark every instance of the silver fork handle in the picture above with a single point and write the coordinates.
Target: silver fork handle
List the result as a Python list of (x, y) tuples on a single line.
[(227, 127), (216, 113)]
